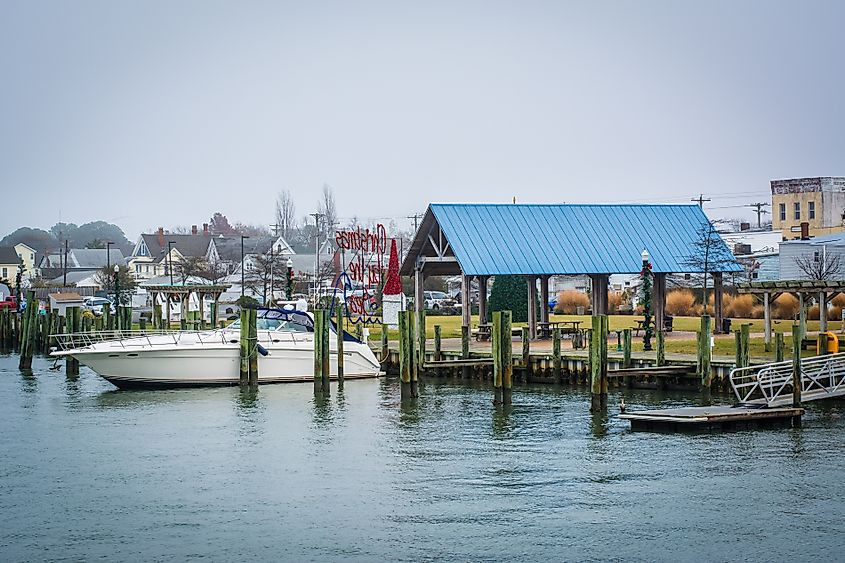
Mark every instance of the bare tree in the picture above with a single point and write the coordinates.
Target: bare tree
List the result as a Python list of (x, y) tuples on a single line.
[(188, 266), (285, 214), (709, 254), (105, 279), (328, 209), (819, 265), (266, 274)]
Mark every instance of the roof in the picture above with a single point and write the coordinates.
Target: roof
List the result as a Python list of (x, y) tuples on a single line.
[(76, 276), (187, 245), (65, 297), (536, 239), (8, 255), (229, 249), (96, 257), (835, 239)]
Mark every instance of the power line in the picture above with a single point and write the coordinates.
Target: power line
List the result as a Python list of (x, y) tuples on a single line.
[(416, 217), (760, 211), (700, 199)]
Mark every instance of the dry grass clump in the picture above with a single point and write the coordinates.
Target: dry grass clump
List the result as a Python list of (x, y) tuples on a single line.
[(785, 307), (615, 299), (681, 303), (741, 306), (758, 312), (813, 313), (568, 301)]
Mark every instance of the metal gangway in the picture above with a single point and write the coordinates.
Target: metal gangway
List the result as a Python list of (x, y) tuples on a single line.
[(822, 377)]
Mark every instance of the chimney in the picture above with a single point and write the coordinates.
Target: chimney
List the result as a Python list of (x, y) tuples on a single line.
[(205, 229), (193, 229), (805, 230), (161, 236), (744, 226)]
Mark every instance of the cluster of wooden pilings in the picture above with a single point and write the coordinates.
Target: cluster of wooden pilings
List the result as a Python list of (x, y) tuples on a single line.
[(322, 351), (248, 347)]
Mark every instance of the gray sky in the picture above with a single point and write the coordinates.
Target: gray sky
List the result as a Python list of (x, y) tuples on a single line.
[(160, 113)]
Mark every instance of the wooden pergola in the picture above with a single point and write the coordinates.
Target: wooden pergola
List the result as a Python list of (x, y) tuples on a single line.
[(822, 290), (167, 293)]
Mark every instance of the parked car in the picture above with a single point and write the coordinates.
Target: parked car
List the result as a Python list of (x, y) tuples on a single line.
[(9, 303), (95, 304), (438, 300)]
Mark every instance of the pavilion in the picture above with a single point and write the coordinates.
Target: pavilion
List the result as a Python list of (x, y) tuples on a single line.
[(539, 241)]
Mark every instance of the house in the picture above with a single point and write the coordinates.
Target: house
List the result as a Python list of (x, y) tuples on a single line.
[(27, 255), (61, 301), (819, 202), (79, 260), (9, 262), (824, 256), (80, 278)]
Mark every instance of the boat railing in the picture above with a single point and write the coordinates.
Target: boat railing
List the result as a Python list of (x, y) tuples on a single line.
[(142, 338)]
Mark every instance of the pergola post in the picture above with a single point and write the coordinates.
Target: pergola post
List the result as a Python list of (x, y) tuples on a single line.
[(802, 314), (599, 283), (466, 312), (482, 299), (718, 291), (658, 300), (767, 320), (419, 289), (822, 311), (532, 307), (544, 301)]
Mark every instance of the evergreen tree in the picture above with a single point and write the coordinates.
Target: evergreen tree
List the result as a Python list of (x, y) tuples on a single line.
[(510, 293)]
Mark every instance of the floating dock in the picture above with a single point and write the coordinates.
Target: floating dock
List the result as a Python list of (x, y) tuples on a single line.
[(714, 418)]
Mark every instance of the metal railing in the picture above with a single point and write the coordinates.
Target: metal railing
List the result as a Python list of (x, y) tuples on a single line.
[(144, 338), (771, 384)]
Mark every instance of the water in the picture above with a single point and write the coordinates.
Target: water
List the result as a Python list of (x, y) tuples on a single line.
[(89, 472)]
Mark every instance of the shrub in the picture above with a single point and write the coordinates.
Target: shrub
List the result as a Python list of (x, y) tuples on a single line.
[(813, 313), (510, 293), (785, 307), (758, 312), (741, 306), (569, 300), (681, 303), (615, 299)]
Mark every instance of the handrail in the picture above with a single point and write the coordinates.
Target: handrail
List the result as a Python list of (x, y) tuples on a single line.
[(821, 377)]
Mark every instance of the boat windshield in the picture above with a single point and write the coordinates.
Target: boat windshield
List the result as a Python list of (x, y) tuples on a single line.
[(280, 320)]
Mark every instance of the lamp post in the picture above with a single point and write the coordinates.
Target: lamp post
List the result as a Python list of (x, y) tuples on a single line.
[(117, 296), (645, 275), (289, 288), (170, 260), (242, 263)]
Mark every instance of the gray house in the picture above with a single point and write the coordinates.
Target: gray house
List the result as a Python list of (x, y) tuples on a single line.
[(817, 250)]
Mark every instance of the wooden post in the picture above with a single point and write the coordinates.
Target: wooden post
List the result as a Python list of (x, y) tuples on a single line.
[(767, 322), (465, 349), (778, 346), (340, 332), (107, 318), (802, 315), (405, 356), (532, 307), (526, 353), (72, 316), (626, 348), (482, 299), (420, 326), (497, 357), (318, 352), (506, 354), (821, 345), (253, 347), (744, 339), (658, 300), (556, 361), (661, 347), (325, 350), (598, 363), (437, 356), (29, 332), (822, 311), (718, 308), (385, 346), (466, 287), (704, 352), (415, 352), (796, 366), (244, 346), (213, 314)]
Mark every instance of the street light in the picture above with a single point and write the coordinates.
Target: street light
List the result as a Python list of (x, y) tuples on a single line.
[(117, 296), (108, 253), (242, 264), (646, 285), (289, 289)]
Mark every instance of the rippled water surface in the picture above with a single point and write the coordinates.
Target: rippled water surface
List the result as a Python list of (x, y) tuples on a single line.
[(89, 472)]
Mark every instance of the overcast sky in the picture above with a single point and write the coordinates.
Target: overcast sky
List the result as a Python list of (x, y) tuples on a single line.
[(160, 113)]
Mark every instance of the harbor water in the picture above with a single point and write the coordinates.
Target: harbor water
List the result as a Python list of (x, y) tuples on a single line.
[(89, 472)]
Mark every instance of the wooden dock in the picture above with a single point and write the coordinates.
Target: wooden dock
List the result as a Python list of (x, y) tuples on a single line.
[(713, 418)]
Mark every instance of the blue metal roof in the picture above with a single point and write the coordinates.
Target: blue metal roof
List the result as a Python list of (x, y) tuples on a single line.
[(503, 239)]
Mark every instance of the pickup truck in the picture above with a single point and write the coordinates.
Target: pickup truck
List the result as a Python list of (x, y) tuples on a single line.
[(9, 303)]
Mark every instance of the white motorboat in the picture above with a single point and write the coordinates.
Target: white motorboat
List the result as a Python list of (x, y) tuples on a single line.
[(211, 357)]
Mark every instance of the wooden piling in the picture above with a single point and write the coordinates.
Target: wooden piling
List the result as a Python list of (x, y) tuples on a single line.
[(821, 344), (704, 352), (556, 361), (325, 350), (741, 340), (318, 352), (506, 353), (107, 318), (28, 327), (598, 363), (465, 349), (437, 342), (385, 346), (526, 354), (626, 347), (253, 347), (421, 342), (779, 346), (496, 342), (661, 347), (244, 346), (72, 317), (405, 356), (796, 366), (339, 322)]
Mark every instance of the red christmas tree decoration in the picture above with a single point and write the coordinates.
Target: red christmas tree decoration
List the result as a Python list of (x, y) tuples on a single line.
[(393, 286)]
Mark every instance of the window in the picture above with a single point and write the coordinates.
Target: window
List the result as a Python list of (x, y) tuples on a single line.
[(797, 211), (782, 210), (811, 210), (5, 272), (32, 257)]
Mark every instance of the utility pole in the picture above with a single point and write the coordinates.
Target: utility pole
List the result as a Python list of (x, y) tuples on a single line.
[(64, 268), (276, 228), (760, 211), (317, 216), (700, 199), (416, 217)]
